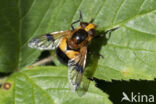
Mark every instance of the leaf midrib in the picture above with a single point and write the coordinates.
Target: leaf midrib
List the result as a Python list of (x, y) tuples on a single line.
[(127, 20)]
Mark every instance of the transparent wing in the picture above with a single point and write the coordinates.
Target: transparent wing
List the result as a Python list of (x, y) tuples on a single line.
[(83, 86), (76, 69), (49, 41)]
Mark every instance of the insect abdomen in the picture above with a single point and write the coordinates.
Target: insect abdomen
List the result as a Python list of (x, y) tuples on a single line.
[(62, 56), (64, 53)]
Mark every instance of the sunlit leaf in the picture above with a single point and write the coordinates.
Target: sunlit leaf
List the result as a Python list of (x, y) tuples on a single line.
[(47, 85)]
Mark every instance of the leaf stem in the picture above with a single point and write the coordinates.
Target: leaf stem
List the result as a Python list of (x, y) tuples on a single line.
[(43, 61)]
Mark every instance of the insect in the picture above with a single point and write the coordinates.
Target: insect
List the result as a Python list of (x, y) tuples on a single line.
[(71, 48)]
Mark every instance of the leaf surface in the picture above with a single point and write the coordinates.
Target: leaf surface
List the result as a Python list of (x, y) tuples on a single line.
[(47, 85)]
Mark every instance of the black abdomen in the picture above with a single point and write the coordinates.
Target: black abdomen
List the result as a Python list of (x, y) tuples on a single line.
[(61, 56)]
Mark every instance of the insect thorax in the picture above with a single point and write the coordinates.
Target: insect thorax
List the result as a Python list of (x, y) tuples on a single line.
[(79, 36)]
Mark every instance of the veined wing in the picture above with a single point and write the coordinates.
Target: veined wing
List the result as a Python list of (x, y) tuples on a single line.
[(49, 41), (76, 70)]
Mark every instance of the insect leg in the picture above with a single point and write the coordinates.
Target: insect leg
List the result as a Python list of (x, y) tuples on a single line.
[(74, 23), (92, 79), (105, 32), (79, 20), (101, 56), (92, 20), (110, 30)]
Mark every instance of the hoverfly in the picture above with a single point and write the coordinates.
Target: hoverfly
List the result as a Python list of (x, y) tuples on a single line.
[(71, 48)]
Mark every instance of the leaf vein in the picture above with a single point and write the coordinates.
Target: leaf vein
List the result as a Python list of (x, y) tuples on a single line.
[(76, 10), (36, 29), (138, 30), (128, 19), (134, 49), (33, 3), (141, 5), (100, 8), (8, 23), (117, 11), (34, 84), (19, 35), (141, 60)]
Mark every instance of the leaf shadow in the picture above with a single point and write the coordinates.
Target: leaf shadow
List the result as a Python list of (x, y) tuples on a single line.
[(94, 52), (115, 88), (94, 48)]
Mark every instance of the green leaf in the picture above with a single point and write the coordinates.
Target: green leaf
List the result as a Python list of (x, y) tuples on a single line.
[(47, 85), (21, 20), (135, 39), (130, 52)]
